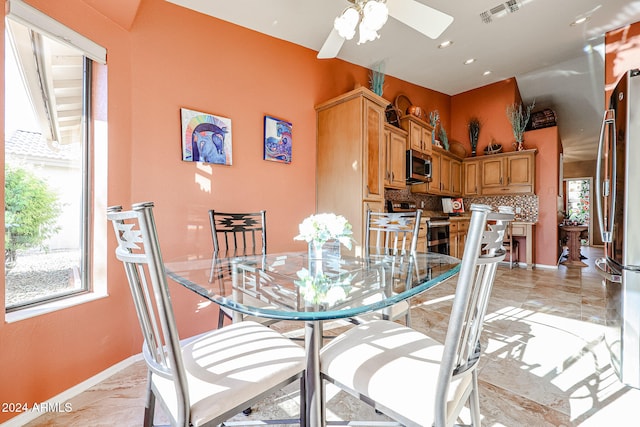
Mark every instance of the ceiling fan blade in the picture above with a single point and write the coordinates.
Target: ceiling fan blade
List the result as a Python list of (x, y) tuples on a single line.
[(420, 17), (331, 46)]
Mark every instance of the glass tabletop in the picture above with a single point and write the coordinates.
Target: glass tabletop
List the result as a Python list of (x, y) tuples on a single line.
[(291, 286)]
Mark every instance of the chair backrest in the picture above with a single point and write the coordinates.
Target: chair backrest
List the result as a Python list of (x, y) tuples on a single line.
[(139, 251), (392, 233), (483, 251), (238, 233)]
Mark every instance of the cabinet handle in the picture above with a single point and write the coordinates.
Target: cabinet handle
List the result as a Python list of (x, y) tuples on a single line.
[(500, 180), (392, 176)]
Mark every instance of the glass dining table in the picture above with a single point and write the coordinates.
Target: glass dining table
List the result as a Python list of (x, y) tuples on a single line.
[(293, 286)]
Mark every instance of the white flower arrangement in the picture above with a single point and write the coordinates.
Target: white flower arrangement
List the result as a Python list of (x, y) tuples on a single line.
[(323, 227), (321, 288)]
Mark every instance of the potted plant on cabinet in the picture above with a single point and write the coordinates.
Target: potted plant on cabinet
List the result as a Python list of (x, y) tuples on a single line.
[(519, 117)]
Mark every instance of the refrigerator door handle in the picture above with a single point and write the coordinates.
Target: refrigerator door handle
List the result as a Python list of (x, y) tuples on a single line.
[(608, 188), (607, 272)]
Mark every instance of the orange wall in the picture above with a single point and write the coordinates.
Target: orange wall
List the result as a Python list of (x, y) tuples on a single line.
[(622, 53), (160, 58), (547, 142), (488, 103)]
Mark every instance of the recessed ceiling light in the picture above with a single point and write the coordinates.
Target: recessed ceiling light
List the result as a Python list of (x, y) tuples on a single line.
[(580, 21), (486, 73), (445, 44), (469, 61)]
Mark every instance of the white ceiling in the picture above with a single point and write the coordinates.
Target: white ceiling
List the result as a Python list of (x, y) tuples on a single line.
[(558, 65)]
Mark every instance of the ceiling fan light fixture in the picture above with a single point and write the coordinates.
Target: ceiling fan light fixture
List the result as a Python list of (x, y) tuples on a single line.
[(367, 34), (374, 14), (346, 23)]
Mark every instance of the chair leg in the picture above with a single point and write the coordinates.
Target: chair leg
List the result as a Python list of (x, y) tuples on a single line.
[(220, 318), (150, 405), (474, 400)]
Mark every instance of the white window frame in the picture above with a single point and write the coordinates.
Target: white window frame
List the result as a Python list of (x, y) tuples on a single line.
[(94, 225)]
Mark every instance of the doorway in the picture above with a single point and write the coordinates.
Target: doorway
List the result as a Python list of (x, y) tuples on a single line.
[(578, 203)]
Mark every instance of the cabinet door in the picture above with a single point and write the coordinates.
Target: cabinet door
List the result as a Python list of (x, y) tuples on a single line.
[(520, 169), (456, 177), (395, 159), (419, 137), (435, 184), (426, 139), (492, 172), (471, 181), (445, 175), (374, 140)]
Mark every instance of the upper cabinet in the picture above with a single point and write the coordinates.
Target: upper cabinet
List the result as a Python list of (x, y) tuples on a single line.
[(419, 134), (471, 176), (395, 162), (509, 173), (350, 165), (446, 175)]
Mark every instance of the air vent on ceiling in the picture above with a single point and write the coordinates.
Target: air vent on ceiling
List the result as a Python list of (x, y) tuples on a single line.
[(510, 6)]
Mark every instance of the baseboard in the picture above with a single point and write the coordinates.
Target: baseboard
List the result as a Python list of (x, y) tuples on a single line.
[(59, 400), (546, 267)]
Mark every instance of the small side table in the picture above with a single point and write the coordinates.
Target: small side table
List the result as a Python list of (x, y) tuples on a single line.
[(574, 231)]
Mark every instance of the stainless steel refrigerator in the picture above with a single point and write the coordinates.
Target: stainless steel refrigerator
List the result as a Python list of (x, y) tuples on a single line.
[(618, 205)]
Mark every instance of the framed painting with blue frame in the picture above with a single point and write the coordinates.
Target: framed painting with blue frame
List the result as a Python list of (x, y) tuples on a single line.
[(205, 138), (277, 140)]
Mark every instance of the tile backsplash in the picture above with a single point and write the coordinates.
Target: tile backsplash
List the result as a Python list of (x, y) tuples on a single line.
[(528, 204)]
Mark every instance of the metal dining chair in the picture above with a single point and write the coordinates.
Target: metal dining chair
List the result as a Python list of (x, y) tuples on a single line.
[(394, 234), (235, 234), (437, 380), (206, 379)]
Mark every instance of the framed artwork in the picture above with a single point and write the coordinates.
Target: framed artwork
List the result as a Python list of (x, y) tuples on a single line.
[(205, 137), (277, 140)]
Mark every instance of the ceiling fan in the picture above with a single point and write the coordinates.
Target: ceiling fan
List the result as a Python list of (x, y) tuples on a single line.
[(371, 16)]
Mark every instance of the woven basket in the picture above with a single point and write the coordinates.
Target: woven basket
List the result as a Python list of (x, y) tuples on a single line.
[(493, 149), (402, 103)]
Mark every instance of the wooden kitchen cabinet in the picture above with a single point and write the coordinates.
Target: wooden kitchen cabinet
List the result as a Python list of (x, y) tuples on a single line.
[(471, 177), (456, 177), (446, 175), (395, 159), (419, 133), (508, 173), (458, 230), (350, 157)]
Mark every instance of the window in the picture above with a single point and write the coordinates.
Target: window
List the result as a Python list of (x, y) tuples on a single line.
[(48, 160)]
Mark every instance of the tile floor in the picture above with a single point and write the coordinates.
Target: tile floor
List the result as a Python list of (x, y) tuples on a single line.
[(545, 362)]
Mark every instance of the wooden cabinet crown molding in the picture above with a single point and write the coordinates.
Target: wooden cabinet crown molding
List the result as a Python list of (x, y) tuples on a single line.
[(360, 92)]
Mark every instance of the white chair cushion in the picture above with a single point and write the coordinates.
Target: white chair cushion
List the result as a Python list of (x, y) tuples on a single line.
[(395, 366), (225, 366)]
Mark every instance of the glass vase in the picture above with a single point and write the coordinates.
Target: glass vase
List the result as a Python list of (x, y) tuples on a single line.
[(315, 250)]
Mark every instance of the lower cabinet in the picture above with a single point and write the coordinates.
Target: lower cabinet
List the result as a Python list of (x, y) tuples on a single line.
[(458, 230)]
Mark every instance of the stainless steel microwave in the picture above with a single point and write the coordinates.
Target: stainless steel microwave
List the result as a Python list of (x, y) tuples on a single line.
[(418, 167)]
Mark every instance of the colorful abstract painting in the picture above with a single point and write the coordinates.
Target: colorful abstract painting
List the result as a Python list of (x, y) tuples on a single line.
[(205, 138), (277, 140)]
